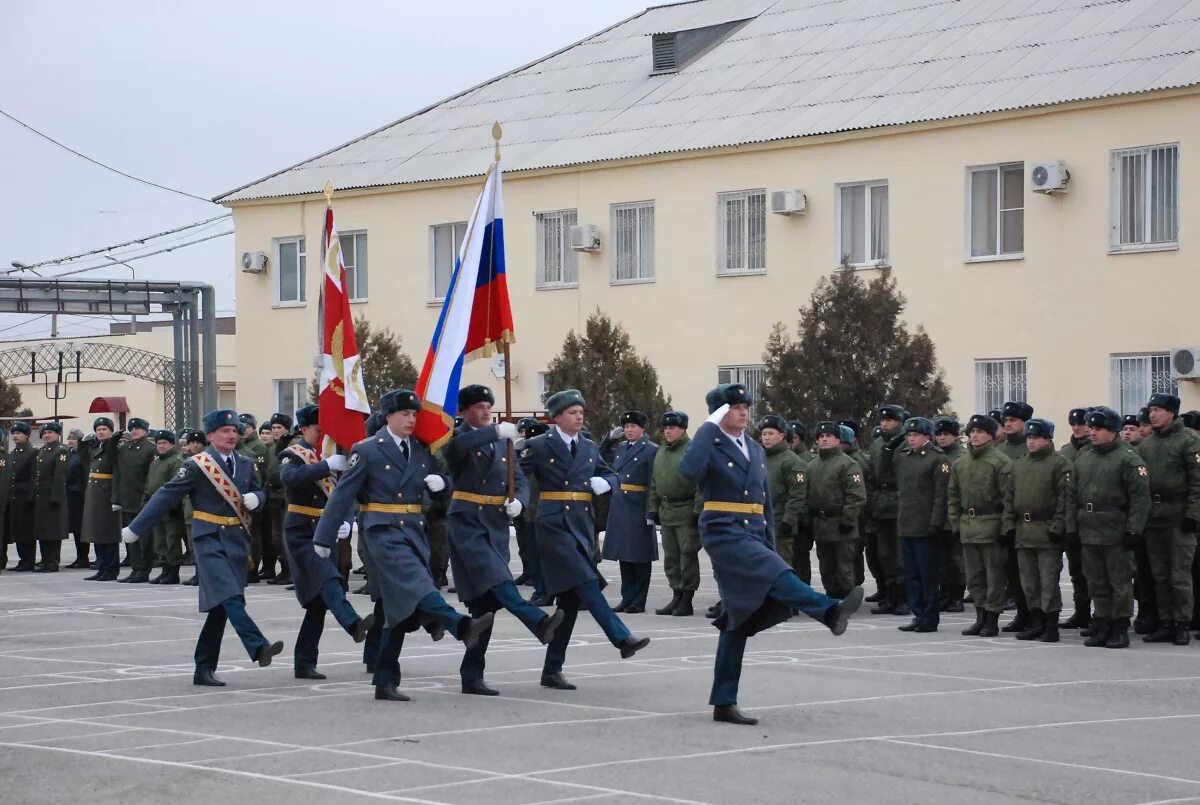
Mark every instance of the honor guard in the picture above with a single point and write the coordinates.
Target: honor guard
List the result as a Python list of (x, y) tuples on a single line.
[(630, 537), (50, 513), (169, 533), (22, 460), (672, 507), (101, 517), (922, 478)]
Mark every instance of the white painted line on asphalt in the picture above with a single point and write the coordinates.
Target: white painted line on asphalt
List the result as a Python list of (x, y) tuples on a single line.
[(156, 746), (336, 771)]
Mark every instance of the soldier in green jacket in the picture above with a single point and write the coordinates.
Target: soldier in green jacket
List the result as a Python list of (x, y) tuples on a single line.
[(128, 490), (852, 449), (922, 476), (1172, 456), (253, 448), (193, 441), (1145, 591), (798, 439), (952, 574), (882, 544), (785, 478), (836, 496), (1081, 617), (981, 512), (1108, 504), (281, 438), (672, 507), (50, 511), (170, 532), (1040, 481), (1013, 417)]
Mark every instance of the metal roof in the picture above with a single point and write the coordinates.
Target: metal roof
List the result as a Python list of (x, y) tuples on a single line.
[(797, 68)]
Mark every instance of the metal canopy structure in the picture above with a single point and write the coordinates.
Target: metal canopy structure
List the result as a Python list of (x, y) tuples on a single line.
[(189, 378)]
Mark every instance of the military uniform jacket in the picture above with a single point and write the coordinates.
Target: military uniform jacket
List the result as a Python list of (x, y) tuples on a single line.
[(805, 454), (101, 525), (220, 550), (5, 487), (981, 495), (478, 532), (22, 461), (789, 492), (565, 527), (1013, 446), (922, 481), (627, 536), (1172, 457), (1040, 484), (1109, 494), (272, 480), (836, 496), (253, 448), (51, 514), (133, 463), (740, 544), (672, 496), (1072, 448), (301, 484), (162, 469), (379, 478), (882, 480)]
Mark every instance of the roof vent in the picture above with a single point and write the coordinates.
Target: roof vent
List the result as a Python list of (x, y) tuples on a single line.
[(673, 51), (665, 54)]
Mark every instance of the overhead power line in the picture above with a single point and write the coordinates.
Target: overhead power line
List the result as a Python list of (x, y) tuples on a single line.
[(142, 256), (134, 242)]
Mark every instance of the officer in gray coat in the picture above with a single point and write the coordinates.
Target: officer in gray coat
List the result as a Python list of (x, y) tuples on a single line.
[(629, 537)]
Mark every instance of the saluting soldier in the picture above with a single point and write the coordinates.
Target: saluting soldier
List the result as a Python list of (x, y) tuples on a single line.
[(76, 489), (952, 573), (193, 442), (922, 479), (129, 488), (281, 437), (882, 544), (758, 589), (253, 448), (50, 513), (21, 526), (1081, 616), (101, 517), (834, 499), (224, 492), (1108, 505), (785, 479), (570, 473), (630, 537), (169, 532), (672, 507)]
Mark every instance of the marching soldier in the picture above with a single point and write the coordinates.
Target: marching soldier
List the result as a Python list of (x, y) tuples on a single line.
[(253, 448), (673, 509), (101, 517), (280, 427), (882, 544), (1172, 456), (50, 513), (169, 532), (1041, 479), (129, 488), (922, 476), (22, 461), (785, 479), (1081, 616), (758, 589), (1108, 504), (76, 488), (194, 441), (224, 493), (981, 512), (630, 537), (952, 572), (836, 494), (531, 564), (570, 473)]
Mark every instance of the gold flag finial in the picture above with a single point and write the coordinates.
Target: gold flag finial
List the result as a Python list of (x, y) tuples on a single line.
[(328, 193), (497, 133)]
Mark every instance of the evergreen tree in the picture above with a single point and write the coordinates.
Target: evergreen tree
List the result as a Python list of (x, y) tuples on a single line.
[(385, 365), (10, 398)]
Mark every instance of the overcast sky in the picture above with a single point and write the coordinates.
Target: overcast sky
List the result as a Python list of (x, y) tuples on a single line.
[(204, 97)]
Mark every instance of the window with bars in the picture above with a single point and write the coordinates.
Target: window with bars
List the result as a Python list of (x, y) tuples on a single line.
[(557, 262), (1135, 377), (290, 395), (1145, 197), (752, 377), (354, 258), (633, 242), (445, 240), (862, 223), (996, 211), (998, 382), (742, 232), (290, 259)]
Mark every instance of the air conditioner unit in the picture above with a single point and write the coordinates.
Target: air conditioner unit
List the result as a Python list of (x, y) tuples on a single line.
[(1185, 363), (585, 238), (254, 262), (788, 202), (1049, 177)]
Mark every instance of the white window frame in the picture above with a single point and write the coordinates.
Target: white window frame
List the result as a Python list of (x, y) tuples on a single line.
[(753, 203), (645, 273), (543, 389), (1154, 369), (869, 187), (1146, 201), (301, 267), (568, 262), (751, 375), (299, 390), (354, 270), (1014, 380), (998, 169), (434, 299)]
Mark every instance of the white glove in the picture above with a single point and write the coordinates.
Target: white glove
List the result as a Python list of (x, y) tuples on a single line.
[(128, 536), (344, 531), (599, 485), (252, 500), (434, 483), (513, 507), (321, 551), (507, 430), (617, 433), (116, 507), (716, 416), (337, 463)]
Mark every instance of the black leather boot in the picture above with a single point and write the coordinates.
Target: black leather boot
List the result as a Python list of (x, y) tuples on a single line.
[(1165, 633), (1050, 628), (729, 714), (1020, 622), (1099, 633), (684, 608), (1118, 634), (975, 628), (1035, 628), (669, 609), (991, 624)]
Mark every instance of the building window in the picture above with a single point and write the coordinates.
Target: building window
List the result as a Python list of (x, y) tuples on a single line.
[(290, 395), (742, 232), (557, 262), (862, 223), (1135, 377), (290, 259), (445, 240), (752, 377), (998, 382), (542, 387), (996, 211), (354, 258), (1145, 198), (633, 242)]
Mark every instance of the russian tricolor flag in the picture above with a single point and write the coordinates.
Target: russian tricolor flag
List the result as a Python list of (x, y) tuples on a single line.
[(476, 317)]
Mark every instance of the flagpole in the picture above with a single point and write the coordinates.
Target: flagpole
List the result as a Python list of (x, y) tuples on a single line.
[(497, 133)]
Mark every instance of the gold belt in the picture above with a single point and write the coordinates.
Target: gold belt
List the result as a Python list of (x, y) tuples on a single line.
[(735, 508), (101, 476), (392, 508), (565, 496), (482, 500), (216, 518), (632, 488), (306, 510)]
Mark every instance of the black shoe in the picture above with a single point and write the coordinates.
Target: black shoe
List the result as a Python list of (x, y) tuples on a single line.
[(980, 619), (955, 605), (1146, 624), (632, 645), (170, 575), (23, 567), (839, 614), (876, 597), (902, 610), (205, 677), (1035, 627), (1080, 619), (267, 574), (390, 693), (621, 607), (635, 609), (1118, 634), (684, 608), (925, 626), (521, 580), (290, 587), (93, 577), (542, 600), (556, 681), (267, 653), (1165, 633), (78, 564), (436, 631), (714, 612), (282, 578), (1182, 635), (127, 561), (886, 607), (440, 581), (549, 626), (362, 627), (252, 577), (360, 590), (479, 688), (669, 608), (991, 624), (194, 581), (911, 626), (731, 715), (136, 577), (1018, 624), (1050, 628), (475, 628), (158, 579), (309, 673), (360, 571), (46, 567), (105, 577), (1099, 634)]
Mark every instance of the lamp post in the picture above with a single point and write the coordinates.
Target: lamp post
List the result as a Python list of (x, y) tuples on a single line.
[(64, 372)]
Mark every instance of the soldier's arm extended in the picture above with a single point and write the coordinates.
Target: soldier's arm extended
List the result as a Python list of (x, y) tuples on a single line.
[(168, 498), (461, 444), (1008, 520), (340, 507), (1137, 491), (295, 472), (854, 495), (694, 465), (941, 487)]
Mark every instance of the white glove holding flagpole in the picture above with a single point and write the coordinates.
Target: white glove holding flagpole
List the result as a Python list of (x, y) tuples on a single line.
[(435, 483), (252, 500), (127, 536), (337, 463), (716, 416), (507, 430), (599, 485), (344, 531), (321, 551), (513, 507)]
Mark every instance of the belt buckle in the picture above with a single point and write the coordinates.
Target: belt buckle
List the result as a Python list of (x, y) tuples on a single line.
[(971, 512), (1089, 508), (1027, 517)]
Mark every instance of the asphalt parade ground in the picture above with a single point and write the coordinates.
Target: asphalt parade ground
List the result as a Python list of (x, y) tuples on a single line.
[(97, 706)]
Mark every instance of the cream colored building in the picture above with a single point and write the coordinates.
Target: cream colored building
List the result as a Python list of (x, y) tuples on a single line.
[(913, 139)]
